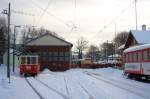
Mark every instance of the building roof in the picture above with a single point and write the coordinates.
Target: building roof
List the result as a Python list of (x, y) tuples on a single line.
[(142, 37), (48, 40), (136, 48)]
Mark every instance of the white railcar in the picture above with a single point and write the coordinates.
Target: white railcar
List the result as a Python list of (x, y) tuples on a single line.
[(137, 61)]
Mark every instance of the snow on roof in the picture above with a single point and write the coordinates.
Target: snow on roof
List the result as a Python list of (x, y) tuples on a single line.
[(142, 37), (48, 40), (121, 47), (135, 48), (115, 55)]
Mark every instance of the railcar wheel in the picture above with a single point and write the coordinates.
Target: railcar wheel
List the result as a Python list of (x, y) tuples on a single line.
[(21, 73)]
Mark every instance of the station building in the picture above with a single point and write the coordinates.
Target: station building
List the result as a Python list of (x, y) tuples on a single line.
[(54, 52)]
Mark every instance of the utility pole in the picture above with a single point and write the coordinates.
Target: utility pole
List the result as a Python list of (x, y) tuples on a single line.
[(136, 14), (107, 51), (8, 49)]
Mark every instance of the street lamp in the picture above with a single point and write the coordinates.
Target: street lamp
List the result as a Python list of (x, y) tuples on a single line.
[(14, 45)]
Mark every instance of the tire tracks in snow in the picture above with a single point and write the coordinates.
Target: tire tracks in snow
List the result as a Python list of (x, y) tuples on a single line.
[(119, 85)]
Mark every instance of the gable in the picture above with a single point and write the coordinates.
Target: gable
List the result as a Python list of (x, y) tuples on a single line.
[(48, 40), (130, 41), (142, 37)]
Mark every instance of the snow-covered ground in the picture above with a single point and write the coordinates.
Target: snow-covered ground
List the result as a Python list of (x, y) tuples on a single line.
[(104, 83)]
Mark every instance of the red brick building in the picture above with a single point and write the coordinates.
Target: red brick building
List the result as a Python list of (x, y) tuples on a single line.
[(54, 52)]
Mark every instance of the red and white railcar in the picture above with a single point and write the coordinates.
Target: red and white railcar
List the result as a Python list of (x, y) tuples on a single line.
[(137, 61), (29, 64)]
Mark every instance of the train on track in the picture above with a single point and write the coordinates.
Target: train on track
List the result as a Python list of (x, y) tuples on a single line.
[(137, 61), (29, 65)]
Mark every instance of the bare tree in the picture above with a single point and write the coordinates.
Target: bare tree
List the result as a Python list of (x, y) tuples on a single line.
[(120, 38), (32, 32), (81, 45), (92, 52), (3, 37), (107, 49)]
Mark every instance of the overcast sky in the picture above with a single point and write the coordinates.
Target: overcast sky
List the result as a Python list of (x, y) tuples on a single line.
[(89, 16)]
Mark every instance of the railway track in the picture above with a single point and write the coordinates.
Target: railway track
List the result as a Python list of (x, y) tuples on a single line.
[(36, 91), (45, 85), (54, 90), (67, 90), (85, 90), (139, 87), (121, 85)]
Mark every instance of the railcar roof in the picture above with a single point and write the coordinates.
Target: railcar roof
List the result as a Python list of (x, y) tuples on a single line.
[(135, 48)]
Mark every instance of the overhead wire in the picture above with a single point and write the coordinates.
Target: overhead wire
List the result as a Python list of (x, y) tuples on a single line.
[(43, 13), (116, 18), (52, 15)]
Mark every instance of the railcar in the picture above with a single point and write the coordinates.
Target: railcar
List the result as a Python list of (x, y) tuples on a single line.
[(137, 61), (29, 65)]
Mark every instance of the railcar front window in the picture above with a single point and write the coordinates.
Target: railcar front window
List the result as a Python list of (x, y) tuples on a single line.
[(23, 60), (28, 60), (33, 60)]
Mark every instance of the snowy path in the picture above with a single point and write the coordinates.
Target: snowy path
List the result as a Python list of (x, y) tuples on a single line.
[(106, 83)]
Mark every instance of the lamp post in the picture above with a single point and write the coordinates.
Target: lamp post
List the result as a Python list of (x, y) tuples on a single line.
[(7, 12), (14, 46)]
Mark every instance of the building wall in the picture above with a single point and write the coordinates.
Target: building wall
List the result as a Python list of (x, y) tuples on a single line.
[(17, 61), (56, 58)]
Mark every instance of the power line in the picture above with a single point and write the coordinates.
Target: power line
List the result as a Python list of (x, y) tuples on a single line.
[(40, 18), (114, 19), (22, 13), (58, 19)]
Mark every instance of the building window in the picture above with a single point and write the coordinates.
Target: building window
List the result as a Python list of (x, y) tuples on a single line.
[(55, 53), (61, 54), (66, 58), (66, 54), (61, 59)]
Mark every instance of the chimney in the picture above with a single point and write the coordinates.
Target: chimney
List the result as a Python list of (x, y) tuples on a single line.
[(143, 27)]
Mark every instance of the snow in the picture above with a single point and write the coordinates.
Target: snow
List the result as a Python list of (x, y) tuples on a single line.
[(121, 47), (142, 37), (103, 83), (135, 48)]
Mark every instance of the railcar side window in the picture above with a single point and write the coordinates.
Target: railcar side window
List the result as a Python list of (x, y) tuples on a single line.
[(145, 55), (126, 55), (139, 56), (130, 57), (23, 60), (135, 57), (149, 54)]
